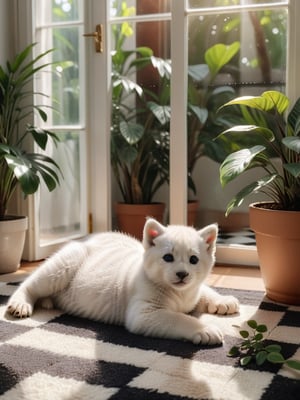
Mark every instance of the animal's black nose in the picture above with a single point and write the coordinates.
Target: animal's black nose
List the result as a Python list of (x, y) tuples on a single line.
[(182, 274)]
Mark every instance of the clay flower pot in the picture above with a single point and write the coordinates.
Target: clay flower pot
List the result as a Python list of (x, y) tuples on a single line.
[(192, 207), (131, 218), (278, 245)]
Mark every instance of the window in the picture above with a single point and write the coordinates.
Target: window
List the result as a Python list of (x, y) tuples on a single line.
[(59, 26)]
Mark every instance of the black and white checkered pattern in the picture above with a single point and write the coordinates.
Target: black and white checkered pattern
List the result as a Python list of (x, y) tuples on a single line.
[(244, 237), (56, 356)]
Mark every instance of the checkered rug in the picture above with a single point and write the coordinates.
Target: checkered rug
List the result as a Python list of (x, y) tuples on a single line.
[(56, 356), (244, 237)]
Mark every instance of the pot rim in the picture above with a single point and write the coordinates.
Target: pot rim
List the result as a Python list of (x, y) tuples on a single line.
[(12, 217), (257, 205), (14, 224)]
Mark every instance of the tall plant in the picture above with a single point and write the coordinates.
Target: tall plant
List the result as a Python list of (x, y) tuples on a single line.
[(269, 134), (205, 97), (141, 128), (140, 121), (18, 166)]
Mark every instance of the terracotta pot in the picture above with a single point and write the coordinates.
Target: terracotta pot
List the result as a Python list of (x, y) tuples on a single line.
[(12, 239), (278, 242), (131, 218), (193, 206)]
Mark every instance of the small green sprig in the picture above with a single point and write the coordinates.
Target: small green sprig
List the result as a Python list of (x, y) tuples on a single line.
[(254, 348)]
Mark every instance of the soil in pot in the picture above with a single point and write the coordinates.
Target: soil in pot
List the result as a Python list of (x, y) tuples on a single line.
[(278, 243)]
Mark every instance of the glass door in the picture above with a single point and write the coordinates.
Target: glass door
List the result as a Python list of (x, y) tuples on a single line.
[(76, 91)]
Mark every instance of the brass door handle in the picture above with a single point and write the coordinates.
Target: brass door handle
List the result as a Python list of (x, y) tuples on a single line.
[(98, 38)]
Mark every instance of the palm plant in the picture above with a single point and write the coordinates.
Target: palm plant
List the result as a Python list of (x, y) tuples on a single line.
[(19, 167)]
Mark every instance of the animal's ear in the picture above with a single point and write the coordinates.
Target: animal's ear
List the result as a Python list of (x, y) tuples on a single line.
[(209, 234), (152, 230)]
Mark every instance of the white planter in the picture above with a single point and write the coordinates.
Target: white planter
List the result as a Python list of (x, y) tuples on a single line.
[(12, 239)]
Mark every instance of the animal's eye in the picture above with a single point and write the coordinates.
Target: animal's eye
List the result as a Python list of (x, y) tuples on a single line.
[(194, 259), (168, 257)]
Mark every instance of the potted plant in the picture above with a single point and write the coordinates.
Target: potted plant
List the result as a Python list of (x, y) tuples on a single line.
[(19, 167), (206, 93), (271, 142), (139, 133)]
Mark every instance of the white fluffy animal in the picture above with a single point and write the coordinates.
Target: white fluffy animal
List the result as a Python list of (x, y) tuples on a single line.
[(154, 288)]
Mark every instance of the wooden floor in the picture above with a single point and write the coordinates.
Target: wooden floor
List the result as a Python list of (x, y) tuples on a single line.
[(222, 276)]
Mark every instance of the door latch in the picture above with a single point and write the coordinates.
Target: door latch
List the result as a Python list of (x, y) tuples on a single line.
[(98, 38)]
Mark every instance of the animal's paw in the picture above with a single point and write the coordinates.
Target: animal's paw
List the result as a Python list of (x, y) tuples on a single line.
[(208, 335), (19, 309), (224, 305)]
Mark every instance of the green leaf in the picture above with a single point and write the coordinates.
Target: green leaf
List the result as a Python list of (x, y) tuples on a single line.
[(219, 55), (234, 351), (253, 187), (128, 154), (247, 135), (43, 114), (275, 358), (16, 63), (201, 113), (292, 142), (261, 357), (144, 51), (280, 101), (162, 113), (39, 136), (266, 102), (252, 323), (198, 72), (131, 131), (293, 169), (128, 85), (244, 334), (273, 348), (258, 337), (238, 162), (245, 360), (293, 117), (24, 172), (163, 66), (261, 328), (293, 364)]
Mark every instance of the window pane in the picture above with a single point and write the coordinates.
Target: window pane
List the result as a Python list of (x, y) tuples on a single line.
[(50, 11), (261, 36), (60, 210), (63, 82), (141, 107), (63, 212)]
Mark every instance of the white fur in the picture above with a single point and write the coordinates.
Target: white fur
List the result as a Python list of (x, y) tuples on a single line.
[(114, 278)]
